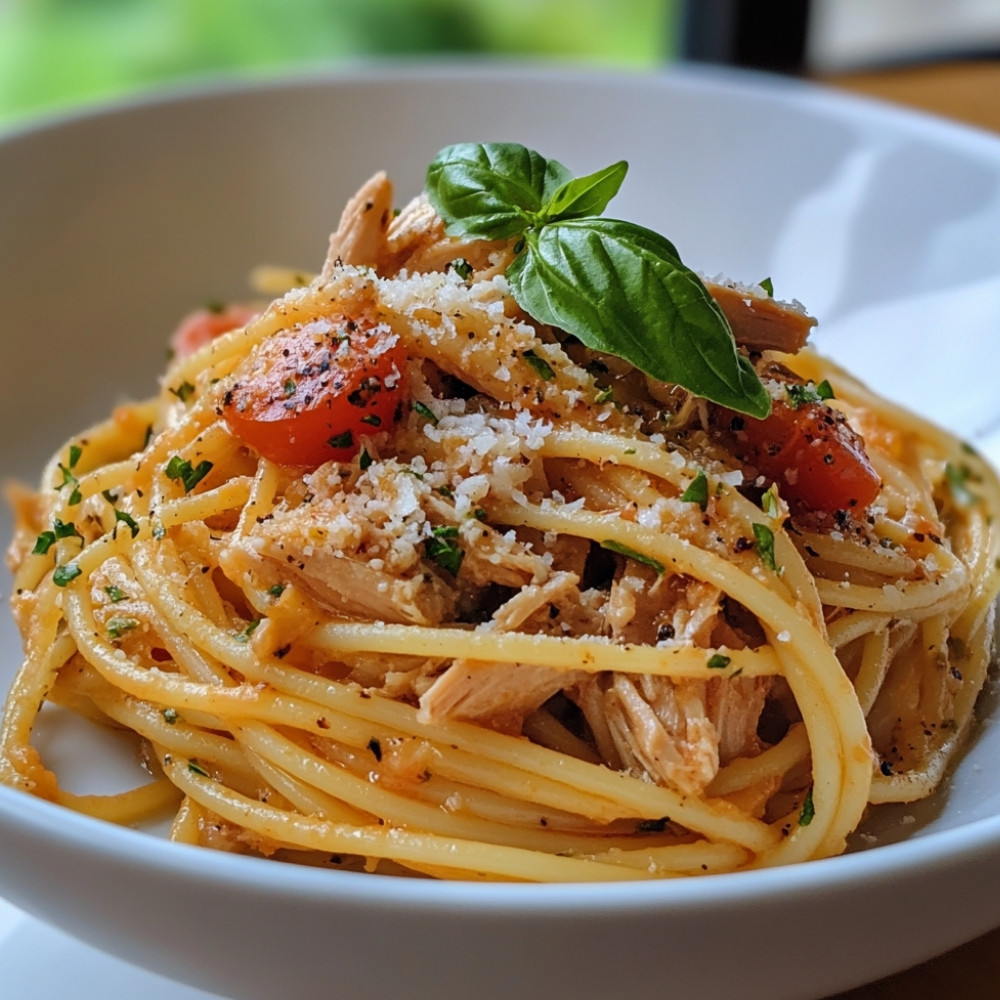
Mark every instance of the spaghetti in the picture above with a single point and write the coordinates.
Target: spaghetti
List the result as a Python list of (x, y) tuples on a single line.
[(500, 607)]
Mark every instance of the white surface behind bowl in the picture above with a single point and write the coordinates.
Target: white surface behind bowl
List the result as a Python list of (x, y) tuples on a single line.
[(114, 224)]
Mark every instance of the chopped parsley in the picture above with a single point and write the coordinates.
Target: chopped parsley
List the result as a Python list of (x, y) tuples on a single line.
[(461, 267), (764, 537), (808, 809), (184, 391), (69, 476), (115, 594), (718, 661), (958, 477), (195, 768), (118, 625), (768, 287), (769, 501), (251, 627), (443, 548), (170, 716), (345, 439), (43, 543), (623, 550), (542, 368), (121, 517), (605, 395), (276, 591), (65, 530), (800, 395), (62, 575), (425, 411), (180, 469), (697, 491)]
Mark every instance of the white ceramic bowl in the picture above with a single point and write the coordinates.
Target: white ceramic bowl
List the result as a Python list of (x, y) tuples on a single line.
[(114, 224)]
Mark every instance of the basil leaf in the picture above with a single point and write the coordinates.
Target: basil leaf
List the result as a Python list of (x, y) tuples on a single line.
[(491, 190), (588, 195), (621, 289)]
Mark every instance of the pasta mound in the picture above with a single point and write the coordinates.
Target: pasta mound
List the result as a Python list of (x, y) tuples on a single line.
[(536, 617)]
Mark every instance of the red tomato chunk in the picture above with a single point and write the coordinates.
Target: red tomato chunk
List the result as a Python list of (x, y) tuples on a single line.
[(813, 454), (312, 391)]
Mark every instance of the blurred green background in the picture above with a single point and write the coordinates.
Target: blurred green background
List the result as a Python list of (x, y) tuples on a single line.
[(56, 54)]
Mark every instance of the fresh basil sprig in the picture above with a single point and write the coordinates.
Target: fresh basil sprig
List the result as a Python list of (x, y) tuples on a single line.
[(618, 287)]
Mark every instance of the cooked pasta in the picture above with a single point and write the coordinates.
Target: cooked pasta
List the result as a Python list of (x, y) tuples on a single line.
[(524, 613)]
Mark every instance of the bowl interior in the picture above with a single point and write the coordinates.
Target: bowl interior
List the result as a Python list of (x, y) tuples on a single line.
[(883, 223)]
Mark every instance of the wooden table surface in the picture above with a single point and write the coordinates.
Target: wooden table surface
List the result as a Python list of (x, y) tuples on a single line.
[(968, 92)]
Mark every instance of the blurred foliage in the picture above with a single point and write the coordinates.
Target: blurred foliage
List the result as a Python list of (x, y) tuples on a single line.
[(55, 53)]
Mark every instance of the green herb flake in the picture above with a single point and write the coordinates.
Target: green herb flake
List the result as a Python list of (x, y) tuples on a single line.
[(443, 548), (121, 517), (718, 661), (180, 469), (697, 491), (364, 460), (461, 267), (808, 393), (764, 537), (195, 768), (957, 477), (276, 591), (345, 439), (541, 367), (62, 575), (372, 419), (170, 716), (605, 396), (43, 543), (246, 634), (115, 594), (768, 287), (69, 477), (769, 502), (623, 550), (289, 387), (65, 530), (808, 809), (425, 411), (118, 625), (184, 391)]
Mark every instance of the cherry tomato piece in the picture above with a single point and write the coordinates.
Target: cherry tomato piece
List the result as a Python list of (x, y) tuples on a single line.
[(204, 325), (813, 454), (308, 393)]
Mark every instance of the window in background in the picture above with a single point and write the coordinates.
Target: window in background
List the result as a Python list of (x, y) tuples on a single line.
[(56, 53)]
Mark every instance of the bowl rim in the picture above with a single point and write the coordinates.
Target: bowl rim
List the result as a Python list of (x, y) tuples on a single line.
[(967, 843)]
